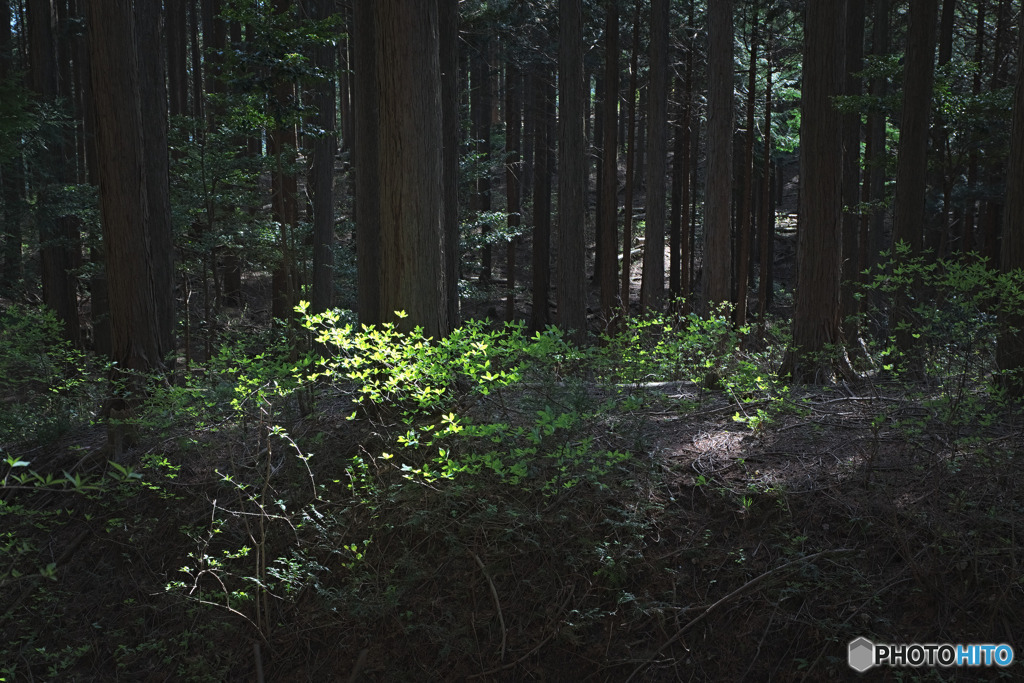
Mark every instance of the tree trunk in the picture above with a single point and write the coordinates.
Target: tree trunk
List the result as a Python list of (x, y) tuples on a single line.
[(133, 230), (365, 153), (448, 31), (11, 177), (912, 161), (819, 243), (718, 192), (652, 286), (1010, 349), (480, 112), (851, 170), (609, 173), (322, 170), (744, 217), (539, 316), (572, 293), (410, 168), (513, 146), (627, 217)]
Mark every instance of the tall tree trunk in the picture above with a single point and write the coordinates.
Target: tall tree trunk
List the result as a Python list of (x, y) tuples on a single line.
[(480, 112), (11, 176), (572, 293), (134, 232), (851, 170), (1010, 349), (448, 31), (627, 217), (322, 170), (876, 132), (177, 72), (410, 135), (609, 173), (513, 146), (367, 181), (912, 161), (652, 286), (766, 225), (58, 237), (970, 210), (744, 216), (819, 243), (539, 316), (718, 193)]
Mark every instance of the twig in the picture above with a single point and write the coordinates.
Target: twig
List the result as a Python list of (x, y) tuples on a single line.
[(739, 591), (497, 603), (529, 654)]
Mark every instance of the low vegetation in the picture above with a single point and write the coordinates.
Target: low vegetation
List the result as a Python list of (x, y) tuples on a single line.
[(358, 502)]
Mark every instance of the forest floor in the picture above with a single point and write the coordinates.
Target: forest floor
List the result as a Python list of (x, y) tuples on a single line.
[(714, 552)]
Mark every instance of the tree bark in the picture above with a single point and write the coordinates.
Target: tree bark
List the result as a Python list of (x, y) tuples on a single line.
[(448, 31), (572, 293), (1010, 348), (513, 186), (410, 165), (609, 173), (851, 171), (652, 285), (718, 193), (819, 243), (744, 216), (365, 153), (627, 214), (540, 316), (322, 170), (135, 262)]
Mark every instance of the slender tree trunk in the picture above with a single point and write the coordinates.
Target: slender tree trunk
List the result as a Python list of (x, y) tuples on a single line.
[(11, 176), (365, 153), (322, 170), (448, 30), (766, 225), (718, 193), (912, 162), (851, 171), (572, 293), (177, 72), (480, 112), (970, 211), (513, 145), (540, 317), (744, 217), (653, 283), (627, 218), (1010, 349), (609, 174)]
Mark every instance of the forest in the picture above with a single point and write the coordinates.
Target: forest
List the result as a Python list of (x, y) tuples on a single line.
[(510, 340)]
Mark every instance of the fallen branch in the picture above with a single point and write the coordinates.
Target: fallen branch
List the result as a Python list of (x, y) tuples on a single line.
[(497, 602)]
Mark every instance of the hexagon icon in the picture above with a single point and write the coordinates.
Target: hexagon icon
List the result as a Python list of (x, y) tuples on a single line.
[(861, 656)]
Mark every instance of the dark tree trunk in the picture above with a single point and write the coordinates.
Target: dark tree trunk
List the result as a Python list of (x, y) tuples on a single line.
[(609, 174), (744, 216), (572, 293), (627, 216), (322, 171), (851, 170), (819, 237), (1010, 350), (410, 165), (177, 71), (718, 192), (365, 153), (542, 101), (766, 225), (513, 169), (448, 29), (11, 176), (653, 284), (480, 112), (136, 262)]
